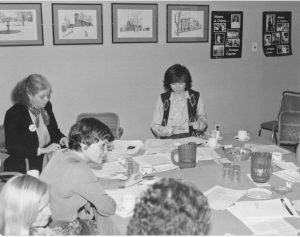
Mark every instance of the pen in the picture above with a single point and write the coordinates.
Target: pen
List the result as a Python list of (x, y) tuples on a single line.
[(286, 207)]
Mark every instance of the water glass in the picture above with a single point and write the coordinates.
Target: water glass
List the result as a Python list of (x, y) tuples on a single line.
[(236, 173), (226, 171), (261, 168)]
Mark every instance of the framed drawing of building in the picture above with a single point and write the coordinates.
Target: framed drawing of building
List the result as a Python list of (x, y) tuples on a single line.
[(134, 23), (187, 23), (21, 24), (77, 23)]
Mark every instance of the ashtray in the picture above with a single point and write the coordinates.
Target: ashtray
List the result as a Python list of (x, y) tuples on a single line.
[(236, 154), (281, 189)]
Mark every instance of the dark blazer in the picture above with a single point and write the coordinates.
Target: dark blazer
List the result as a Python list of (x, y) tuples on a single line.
[(21, 143)]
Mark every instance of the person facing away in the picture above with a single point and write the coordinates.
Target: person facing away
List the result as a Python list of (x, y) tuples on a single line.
[(30, 126), (179, 112), (75, 187), (24, 207), (170, 207)]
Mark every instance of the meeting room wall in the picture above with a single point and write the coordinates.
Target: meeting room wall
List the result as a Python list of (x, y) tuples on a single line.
[(127, 78)]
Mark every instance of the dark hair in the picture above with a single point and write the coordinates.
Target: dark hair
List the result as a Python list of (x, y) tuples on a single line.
[(32, 84), (88, 131), (169, 207), (177, 73)]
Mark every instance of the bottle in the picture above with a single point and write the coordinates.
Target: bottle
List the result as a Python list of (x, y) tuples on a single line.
[(298, 152), (130, 167)]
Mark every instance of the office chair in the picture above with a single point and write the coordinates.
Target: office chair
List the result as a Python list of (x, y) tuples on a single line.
[(290, 102), (109, 119)]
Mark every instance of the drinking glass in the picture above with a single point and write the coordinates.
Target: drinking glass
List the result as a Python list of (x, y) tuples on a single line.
[(261, 168)]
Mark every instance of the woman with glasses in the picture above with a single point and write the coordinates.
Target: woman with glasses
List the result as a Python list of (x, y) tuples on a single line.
[(30, 125), (179, 112)]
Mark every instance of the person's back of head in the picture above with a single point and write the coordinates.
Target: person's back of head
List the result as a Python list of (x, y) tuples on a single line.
[(20, 201), (169, 207)]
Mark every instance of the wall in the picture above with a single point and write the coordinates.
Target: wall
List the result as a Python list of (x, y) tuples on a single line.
[(127, 78)]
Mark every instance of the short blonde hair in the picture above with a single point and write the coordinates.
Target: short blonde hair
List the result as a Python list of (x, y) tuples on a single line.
[(19, 204)]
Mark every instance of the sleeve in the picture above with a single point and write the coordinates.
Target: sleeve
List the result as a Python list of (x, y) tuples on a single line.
[(201, 113), (55, 132), (156, 126), (15, 135), (88, 187)]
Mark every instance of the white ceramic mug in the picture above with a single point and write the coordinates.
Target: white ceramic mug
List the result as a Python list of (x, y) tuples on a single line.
[(276, 156), (212, 142), (34, 173), (146, 169), (242, 135), (128, 202)]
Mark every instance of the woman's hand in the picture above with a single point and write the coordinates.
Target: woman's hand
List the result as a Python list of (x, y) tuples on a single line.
[(51, 148), (200, 124), (64, 142)]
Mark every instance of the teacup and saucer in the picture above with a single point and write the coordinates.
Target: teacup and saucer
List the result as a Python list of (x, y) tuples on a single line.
[(242, 135)]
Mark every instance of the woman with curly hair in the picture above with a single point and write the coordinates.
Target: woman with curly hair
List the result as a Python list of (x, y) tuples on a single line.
[(179, 112), (169, 207), (24, 207)]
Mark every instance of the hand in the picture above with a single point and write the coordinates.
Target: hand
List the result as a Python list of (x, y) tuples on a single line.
[(52, 147), (64, 142), (133, 179)]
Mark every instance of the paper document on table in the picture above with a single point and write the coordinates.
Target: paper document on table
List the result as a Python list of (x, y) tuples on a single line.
[(263, 209), (197, 140), (159, 146), (289, 175), (118, 194), (270, 227), (285, 165), (160, 162), (205, 153), (265, 148), (109, 170), (126, 146), (219, 198)]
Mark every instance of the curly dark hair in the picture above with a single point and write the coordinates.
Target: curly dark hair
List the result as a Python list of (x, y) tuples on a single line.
[(88, 131), (169, 207), (32, 84), (177, 73)]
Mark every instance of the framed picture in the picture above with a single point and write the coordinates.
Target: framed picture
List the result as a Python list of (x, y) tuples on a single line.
[(21, 24), (187, 23), (77, 23), (134, 23)]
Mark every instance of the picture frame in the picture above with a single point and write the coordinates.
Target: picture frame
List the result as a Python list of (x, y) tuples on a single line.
[(21, 24), (77, 24), (187, 23), (134, 23)]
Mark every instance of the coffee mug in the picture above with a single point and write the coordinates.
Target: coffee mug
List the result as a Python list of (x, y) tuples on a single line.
[(128, 202), (186, 155), (34, 173), (212, 142), (146, 169), (242, 135)]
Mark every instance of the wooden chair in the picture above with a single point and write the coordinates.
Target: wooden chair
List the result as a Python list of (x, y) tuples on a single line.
[(290, 102), (108, 118)]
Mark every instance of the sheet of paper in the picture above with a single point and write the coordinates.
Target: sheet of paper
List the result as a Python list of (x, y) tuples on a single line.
[(118, 194), (219, 198), (271, 227), (197, 140), (258, 184), (285, 165), (263, 209), (289, 175), (204, 153), (126, 146), (266, 148), (109, 170)]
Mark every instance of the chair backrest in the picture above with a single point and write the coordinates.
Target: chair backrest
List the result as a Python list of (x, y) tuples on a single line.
[(290, 101), (108, 118), (289, 127)]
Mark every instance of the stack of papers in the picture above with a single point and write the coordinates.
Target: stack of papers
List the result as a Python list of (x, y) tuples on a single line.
[(266, 217), (265, 148), (286, 165), (110, 170), (289, 175), (219, 198)]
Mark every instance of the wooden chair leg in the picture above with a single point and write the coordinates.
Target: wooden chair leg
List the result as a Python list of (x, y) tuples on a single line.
[(259, 131)]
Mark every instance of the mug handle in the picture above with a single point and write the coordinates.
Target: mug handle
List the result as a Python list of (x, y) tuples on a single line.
[(173, 156)]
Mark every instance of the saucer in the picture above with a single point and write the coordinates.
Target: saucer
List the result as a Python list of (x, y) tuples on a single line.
[(259, 193), (242, 140)]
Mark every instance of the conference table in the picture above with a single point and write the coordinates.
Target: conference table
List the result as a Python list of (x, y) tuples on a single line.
[(208, 174)]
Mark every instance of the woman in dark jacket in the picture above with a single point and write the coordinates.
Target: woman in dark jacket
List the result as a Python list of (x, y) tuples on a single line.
[(30, 127)]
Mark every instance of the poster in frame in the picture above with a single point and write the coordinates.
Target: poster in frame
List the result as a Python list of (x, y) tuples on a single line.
[(21, 24), (134, 23), (187, 23), (77, 24)]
